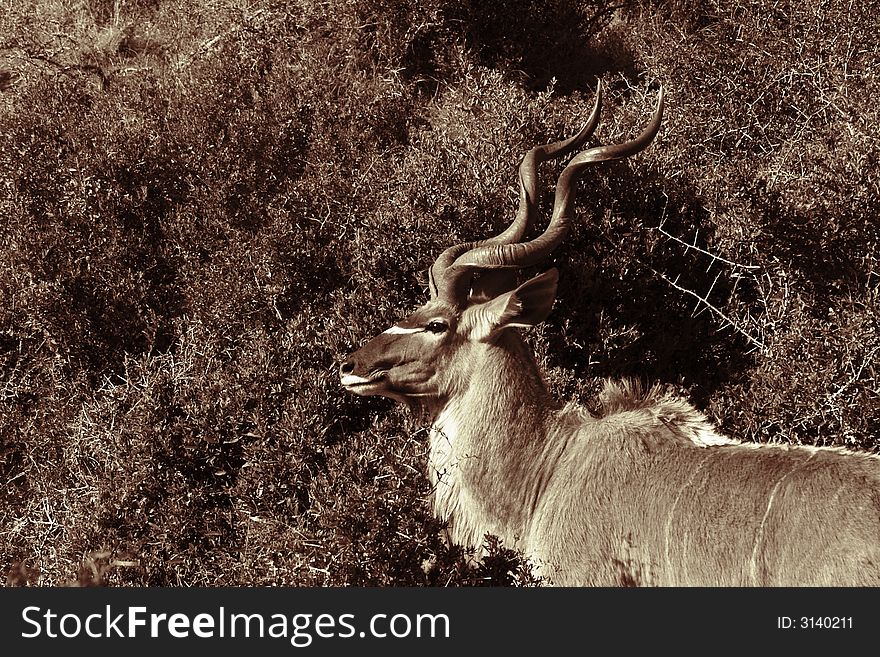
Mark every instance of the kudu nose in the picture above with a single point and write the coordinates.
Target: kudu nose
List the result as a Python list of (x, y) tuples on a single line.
[(346, 368)]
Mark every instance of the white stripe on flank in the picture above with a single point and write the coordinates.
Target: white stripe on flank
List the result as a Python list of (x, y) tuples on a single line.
[(399, 330), (759, 537)]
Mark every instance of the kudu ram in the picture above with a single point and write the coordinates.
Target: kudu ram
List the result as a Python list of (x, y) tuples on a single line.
[(648, 493)]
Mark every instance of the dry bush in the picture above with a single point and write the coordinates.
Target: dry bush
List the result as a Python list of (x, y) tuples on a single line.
[(205, 207)]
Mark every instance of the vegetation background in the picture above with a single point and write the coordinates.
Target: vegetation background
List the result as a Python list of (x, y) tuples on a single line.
[(205, 205)]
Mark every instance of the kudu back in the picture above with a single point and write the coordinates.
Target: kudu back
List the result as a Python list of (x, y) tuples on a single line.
[(647, 493)]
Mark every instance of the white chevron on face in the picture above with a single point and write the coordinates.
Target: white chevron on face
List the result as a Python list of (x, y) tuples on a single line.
[(399, 330)]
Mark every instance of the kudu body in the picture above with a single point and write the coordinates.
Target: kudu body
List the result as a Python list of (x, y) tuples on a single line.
[(647, 493)]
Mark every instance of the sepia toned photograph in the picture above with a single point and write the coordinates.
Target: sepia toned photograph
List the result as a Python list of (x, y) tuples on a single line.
[(441, 293)]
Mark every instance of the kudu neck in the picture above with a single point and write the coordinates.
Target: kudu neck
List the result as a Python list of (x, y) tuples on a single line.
[(500, 384), (487, 441)]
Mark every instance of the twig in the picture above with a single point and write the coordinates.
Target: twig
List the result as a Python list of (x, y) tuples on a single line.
[(712, 308), (856, 376), (207, 44), (697, 248), (709, 291), (203, 48), (66, 68)]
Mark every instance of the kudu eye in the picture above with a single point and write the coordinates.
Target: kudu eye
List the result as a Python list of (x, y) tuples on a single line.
[(436, 326)]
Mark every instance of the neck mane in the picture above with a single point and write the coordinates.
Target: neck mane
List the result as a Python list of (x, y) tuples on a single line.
[(487, 443)]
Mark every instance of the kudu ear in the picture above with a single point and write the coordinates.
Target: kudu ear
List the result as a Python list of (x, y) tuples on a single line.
[(527, 305)]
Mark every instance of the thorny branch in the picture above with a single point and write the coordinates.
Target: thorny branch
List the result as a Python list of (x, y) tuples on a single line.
[(694, 247), (703, 299), (732, 323)]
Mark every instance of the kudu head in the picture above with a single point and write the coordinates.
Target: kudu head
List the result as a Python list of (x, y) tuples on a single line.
[(474, 293)]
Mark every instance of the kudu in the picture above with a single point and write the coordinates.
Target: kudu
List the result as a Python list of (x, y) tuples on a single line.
[(647, 493)]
